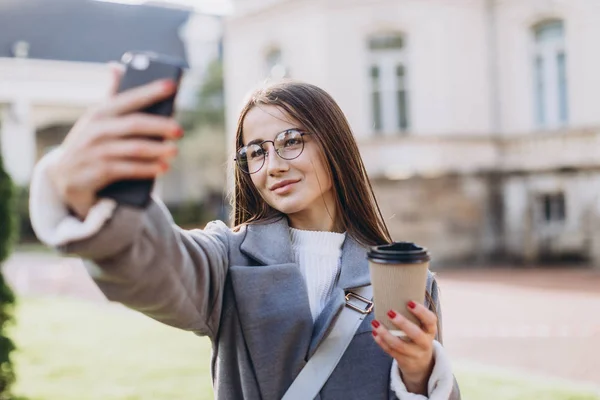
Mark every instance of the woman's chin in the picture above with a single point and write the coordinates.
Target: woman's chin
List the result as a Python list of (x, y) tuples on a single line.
[(287, 206)]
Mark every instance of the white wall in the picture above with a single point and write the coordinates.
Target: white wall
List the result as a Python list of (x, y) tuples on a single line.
[(551, 150), (515, 46), (296, 28), (53, 82), (48, 115), (403, 158), (244, 7), (447, 73), (17, 140), (326, 43), (524, 230)]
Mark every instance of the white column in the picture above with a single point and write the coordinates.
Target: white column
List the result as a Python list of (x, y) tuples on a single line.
[(18, 141), (594, 232)]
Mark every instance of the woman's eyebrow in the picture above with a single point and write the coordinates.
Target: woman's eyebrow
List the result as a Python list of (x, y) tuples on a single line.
[(255, 141), (260, 140)]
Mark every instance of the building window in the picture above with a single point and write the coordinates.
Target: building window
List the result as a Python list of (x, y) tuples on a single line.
[(401, 100), (274, 66), (552, 207), (388, 82), (376, 98), (550, 75)]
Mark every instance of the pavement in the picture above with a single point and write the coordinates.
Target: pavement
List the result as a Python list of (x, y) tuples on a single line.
[(543, 321)]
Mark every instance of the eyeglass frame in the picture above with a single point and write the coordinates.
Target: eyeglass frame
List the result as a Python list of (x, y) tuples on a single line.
[(302, 134)]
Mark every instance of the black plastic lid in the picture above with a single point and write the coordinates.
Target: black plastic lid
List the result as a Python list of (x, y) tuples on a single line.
[(399, 252)]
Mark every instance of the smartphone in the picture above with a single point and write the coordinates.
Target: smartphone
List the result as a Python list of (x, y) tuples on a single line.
[(142, 68)]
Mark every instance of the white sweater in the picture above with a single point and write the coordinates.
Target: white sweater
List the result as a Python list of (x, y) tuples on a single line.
[(318, 255)]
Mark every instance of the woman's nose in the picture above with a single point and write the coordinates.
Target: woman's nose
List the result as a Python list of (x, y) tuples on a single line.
[(274, 162)]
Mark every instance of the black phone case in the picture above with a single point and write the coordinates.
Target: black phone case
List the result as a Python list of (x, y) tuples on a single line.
[(137, 193)]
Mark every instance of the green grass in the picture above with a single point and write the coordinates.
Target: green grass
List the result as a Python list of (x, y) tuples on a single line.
[(477, 384), (72, 350)]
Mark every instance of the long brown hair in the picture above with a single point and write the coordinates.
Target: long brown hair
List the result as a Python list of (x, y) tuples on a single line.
[(357, 211)]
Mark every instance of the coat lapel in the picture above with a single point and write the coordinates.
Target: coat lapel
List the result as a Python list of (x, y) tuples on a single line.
[(268, 243), (354, 273), (355, 267)]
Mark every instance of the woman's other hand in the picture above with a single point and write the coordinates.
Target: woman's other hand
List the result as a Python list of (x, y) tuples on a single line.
[(414, 354)]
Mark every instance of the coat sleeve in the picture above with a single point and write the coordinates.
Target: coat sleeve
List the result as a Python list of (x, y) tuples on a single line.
[(442, 384), (140, 257)]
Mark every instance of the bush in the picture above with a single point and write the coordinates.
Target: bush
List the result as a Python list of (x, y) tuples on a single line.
[(23, 230), (7, 299)]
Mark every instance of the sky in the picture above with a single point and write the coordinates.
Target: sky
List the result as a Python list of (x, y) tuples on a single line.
[(220, 7)]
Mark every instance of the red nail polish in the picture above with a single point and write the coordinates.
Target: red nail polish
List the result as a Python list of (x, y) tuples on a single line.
[(168, 86), (375, 323), (178, 132), (391, 314), (411, 304), (374, 333)]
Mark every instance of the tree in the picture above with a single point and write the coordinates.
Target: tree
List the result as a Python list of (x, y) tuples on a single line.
[(7, 298), (211, 98)]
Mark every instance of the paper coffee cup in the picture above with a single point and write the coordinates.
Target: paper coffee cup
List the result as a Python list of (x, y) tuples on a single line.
[(398, 275)]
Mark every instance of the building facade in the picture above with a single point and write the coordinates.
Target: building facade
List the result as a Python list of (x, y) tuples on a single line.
[(476, 119)]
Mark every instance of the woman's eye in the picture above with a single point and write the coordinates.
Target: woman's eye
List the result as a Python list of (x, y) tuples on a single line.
[(292, 142), (257, 153)]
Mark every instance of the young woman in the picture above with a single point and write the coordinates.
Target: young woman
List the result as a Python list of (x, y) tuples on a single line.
[(267, 291)]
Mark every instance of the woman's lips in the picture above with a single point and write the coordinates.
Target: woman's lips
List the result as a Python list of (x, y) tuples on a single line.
[(284, 187)]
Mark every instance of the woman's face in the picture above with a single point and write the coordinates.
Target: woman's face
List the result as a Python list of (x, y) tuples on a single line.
[(300, 188)]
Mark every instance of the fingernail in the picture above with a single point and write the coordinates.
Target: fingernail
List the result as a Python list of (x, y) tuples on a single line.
[(412, 304), (375, 323), (164, 166), (374, 333), (391, 314), (168, 86), (178, 132)]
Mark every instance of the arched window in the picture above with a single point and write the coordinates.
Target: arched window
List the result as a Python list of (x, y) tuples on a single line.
[(550, 74), (388, 82), (274, 66)]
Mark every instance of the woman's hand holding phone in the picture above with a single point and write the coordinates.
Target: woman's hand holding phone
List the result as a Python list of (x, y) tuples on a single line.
[(106, 145)]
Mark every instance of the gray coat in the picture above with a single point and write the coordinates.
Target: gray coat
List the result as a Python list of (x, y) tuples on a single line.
[(242, 290)]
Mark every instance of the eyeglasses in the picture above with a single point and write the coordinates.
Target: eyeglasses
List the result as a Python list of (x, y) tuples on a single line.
[(287, 144)]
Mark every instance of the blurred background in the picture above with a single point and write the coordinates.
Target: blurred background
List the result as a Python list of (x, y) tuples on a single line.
[(478, 123)]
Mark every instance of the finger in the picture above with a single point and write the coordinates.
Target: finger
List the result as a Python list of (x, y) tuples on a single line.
[(427, 317), (122, 169), (412, 331), (138, 98), (138, 149), (138, 124), (391, 344), (384, 345), (116, 70)]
